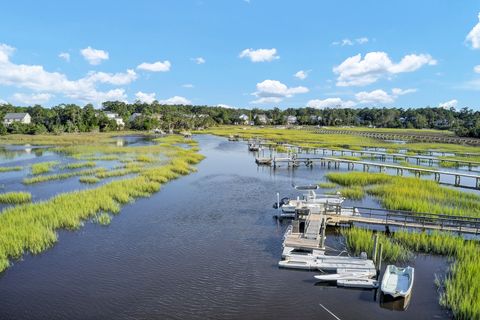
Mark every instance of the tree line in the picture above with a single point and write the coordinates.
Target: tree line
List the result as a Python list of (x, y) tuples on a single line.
[(74, 118)]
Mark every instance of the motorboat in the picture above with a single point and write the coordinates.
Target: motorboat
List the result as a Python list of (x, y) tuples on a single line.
[(398, 282)]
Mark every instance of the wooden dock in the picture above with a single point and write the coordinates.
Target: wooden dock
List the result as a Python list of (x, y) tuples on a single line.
[(401, 136), (407, 219), (382, 167)]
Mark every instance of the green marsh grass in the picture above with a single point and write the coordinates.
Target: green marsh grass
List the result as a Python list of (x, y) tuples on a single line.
[(412, 194), (61, 176), (43, 167), (15, 197), (327, 185), (77, 165), (353, 193), (89, 180), (8, 169), (32, 227), (103, 219)]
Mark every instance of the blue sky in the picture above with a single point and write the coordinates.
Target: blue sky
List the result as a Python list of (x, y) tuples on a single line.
[(239, 53)]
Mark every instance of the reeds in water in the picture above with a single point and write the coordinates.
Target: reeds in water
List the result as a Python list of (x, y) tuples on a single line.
[(7, 169), (15, 197), (43, 167), (77, 165)]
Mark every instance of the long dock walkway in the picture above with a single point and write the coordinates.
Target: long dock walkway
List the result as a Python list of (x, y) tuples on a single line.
[(336, 162)]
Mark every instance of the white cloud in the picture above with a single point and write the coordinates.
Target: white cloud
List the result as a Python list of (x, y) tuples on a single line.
[(302, 74), (375, 97), (355, 71), (273, 91), (176, 100), (145, 97), (198, 60), (474, 35), (448, 104), (2, 102), (65, 56), (112, 78), (94, 56), (36, 78), (188, 85), (30, 99), (158, 66), (349, 42), (401, 92), (476, 69), (330, 103), (260, 55), (225, 106), (380, 96)]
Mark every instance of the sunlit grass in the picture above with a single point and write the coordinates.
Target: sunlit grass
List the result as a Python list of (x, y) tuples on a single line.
[(327, 185), (77, 165), (43, 167), (62, 176), (103, 219), (15, 197), (89, 180), (353, 193), (8, 169)]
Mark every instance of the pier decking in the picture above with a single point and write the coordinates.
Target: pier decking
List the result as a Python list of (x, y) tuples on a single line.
[(366, 165)]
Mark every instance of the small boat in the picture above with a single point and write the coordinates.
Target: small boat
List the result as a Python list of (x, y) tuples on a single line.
[(253, 147), (398, 282), (352, 275), (358, 283), (263, 161), (306, 187), (232, 138)]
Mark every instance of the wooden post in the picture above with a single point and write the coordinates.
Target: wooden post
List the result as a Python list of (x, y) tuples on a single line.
[(380, 256), (375, 248)]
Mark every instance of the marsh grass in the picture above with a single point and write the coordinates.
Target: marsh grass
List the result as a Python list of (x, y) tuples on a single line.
[(327, 185), (77, 165), (412, 194), (15, 197), (8, 169), (32, 227), (62, 176), (43, 167), (103, 219), (89, 180), (353, 193)]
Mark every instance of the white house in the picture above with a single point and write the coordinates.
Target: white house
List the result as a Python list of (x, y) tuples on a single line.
[(243, 119), (261, 118), (291, 119), (17, 117), (114, 116), (134, 116)]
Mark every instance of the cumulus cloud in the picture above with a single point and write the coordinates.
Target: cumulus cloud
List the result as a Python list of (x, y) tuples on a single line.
[(188, 85), (273, 91), (36, 78), (330, 103), (112, 78), (65, 56), (2, 102), (221, 105), (476, 69), (474, 35), (375, 96), (349, 42), (355, 71), (302, 74), (145, 97), (176, 100), (448, 104), (94, 56), (380, 96), (260, 55), (158, 66), (199, 60), (30, 99)]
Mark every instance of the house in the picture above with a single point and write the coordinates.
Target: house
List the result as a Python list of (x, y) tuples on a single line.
[(243, 119), (114, 116), (291, 119), (17, 117), (134, 116), (261, 118)]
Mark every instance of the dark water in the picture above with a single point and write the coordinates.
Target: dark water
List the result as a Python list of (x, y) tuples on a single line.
[(204, 247)]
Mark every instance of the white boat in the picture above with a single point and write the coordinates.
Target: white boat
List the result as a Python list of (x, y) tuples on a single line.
[(353, 275), (311, 199), (398, 282), (358, 283)]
